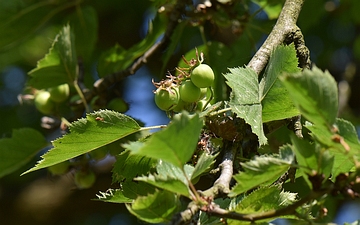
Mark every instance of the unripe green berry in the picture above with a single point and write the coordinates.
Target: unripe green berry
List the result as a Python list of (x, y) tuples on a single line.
[(166, 99), (99, 154), (189, 92), (202, 76), (84, 180), (118, 105), (43, 103), (60, 168), (59, 93)]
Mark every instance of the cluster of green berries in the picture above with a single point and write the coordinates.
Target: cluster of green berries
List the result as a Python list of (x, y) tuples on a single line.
[(189, 88), (46, 100)]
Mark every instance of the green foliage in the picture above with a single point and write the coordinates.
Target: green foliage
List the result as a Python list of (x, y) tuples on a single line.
[(59, 65), (203, 165), (165, 144), (272, 7), (245, 99), (18, 150), (155, 208), (126, 161), (262, 200), (275, 99), (268, 100), (312, 159), (87, 134), (169, 178), (84, 23), (315, 94), (263, 170), (119, 58), (20, 20)]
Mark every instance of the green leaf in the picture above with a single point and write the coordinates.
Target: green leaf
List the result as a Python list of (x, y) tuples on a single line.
[(134, 190), (155, 208), (175, 144), (271, 7), (262, 200), (263, 170), (127, 194), (275, 99), (244, 99), (87, 134), (117, 58), (113, 196), (125, 164), (218, 56), (59, 65), (174, 43), (84, 24), (19, 20), (19, 149), (344, 152), (315, 94), (169, 178), (311, 157), (203, 165)]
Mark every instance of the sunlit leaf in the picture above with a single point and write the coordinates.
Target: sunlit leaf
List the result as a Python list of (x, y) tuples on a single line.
[(262, 170), (262, 200), (155, 208), (59, 65), (86, 134), (275, 98), (19, 149), (245, 100), (175, 144), (113, 196), (315, 94)]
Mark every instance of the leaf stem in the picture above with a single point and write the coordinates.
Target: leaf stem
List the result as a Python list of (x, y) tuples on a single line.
[(83, 99), (220, 111), (210, 98), (153, 127)]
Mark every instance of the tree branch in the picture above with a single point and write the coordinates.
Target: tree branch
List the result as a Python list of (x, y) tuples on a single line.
[(222, 184), (284, 27)]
